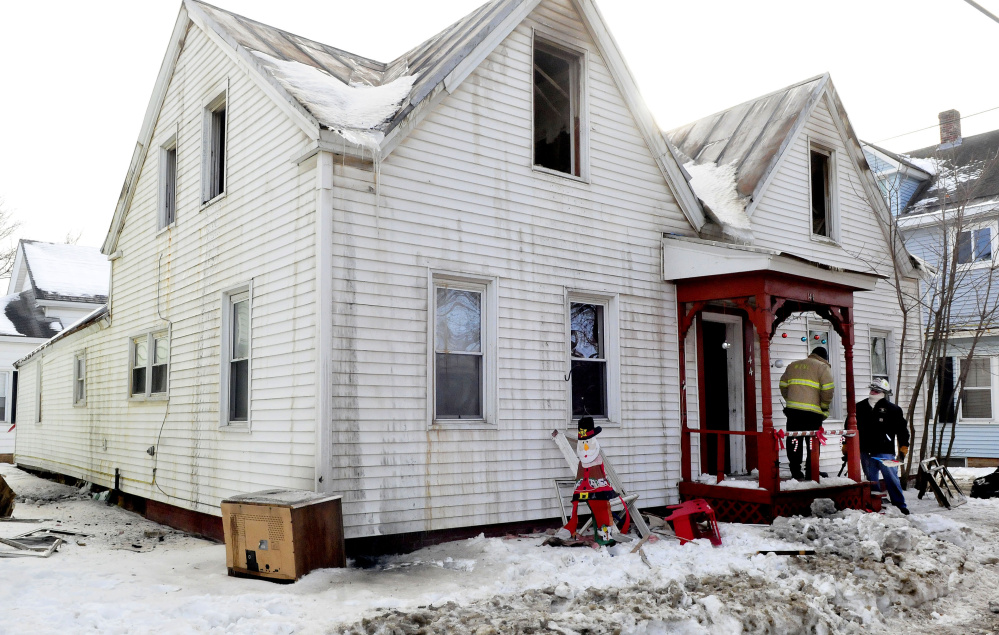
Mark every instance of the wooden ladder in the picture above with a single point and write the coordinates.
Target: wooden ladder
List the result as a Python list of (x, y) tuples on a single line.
[(573, 461)]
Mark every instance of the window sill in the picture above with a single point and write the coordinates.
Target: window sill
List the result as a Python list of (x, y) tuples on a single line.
[(144, 398), (239, 426), (537, 169), (165, 229), (80, 404), (462, 424), (825, 240), (213, 201)]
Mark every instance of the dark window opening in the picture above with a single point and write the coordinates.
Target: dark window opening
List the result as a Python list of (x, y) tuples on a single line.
[(974, 245), (946, 406), (216, 154), (169, 187), (556, 109), (820, 194)]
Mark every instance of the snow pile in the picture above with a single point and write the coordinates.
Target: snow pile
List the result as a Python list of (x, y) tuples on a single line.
[(869, 573), (335, 104), (715, 185), (68, 270)]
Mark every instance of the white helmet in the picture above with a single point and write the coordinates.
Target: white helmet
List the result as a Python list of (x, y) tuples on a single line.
[(881, 385)]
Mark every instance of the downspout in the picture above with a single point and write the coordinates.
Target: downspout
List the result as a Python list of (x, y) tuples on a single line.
[(324, 321)]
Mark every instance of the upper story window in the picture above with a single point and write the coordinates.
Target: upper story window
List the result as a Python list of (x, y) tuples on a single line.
[(214, 141), (822, 192), (974, 245), (558, 128), (976, 397), (150, 355), (168, 184)]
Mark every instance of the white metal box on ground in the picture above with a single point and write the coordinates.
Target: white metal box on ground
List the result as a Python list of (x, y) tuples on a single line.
[(281, 535)]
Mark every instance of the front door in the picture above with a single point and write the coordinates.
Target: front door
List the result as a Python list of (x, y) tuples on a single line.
[(722, 393)]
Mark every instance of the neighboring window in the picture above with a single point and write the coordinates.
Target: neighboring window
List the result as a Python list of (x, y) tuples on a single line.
[(168, 187), (587, 346), (4, 408), (79, 379), (214, 148), (976, 397), (879, 357), (974, 245), (821, 192), (236, 350), (557, 88), (150, 364), (459, 358)]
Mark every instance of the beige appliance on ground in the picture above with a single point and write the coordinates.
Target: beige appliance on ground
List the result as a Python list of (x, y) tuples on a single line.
[(281, 535)]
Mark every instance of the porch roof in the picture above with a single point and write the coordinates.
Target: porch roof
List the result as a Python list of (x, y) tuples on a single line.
[(687, 258)]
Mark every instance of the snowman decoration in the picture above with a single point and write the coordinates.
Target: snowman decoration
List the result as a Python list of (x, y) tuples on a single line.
[(593, 488)]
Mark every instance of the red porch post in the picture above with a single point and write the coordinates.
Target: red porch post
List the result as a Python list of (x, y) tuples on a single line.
[(684, 429), (766, 448), (853, 443)]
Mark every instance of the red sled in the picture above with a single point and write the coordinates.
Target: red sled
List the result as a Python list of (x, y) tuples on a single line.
[(694, 519)]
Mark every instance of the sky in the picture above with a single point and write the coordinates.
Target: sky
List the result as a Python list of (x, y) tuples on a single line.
[(77, 76)]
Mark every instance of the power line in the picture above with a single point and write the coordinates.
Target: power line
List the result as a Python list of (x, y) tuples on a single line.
[(963, 117), (982, 9)]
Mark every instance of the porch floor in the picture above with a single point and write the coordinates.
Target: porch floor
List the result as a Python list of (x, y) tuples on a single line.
[(752, 505)]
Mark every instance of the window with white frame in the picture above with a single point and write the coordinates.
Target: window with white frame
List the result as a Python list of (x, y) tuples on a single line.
[(459, 350), (38, 391), (4, 391), (974, 245), (168, 184), (879, 356), (588, 350), (559, 129), (236, 358), (976, 396), (214, 142), (80, 379), (822, 194), (150, 364)]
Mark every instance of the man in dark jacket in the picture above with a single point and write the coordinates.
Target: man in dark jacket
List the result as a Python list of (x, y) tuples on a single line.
[(807, 388), (880, 423)]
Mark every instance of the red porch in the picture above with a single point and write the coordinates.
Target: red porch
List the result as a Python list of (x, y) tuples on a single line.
[(769, 288)]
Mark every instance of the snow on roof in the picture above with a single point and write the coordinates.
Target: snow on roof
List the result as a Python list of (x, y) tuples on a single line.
[(964, 174), (355, 106), (926, 165), (67, 272), (715, 185), (6, 326)]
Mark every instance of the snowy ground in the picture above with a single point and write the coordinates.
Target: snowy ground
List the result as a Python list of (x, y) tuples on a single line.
[(935, 572)]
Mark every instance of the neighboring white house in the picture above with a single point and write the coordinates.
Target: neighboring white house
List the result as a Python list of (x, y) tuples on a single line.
[(374, 279), (51, 287)]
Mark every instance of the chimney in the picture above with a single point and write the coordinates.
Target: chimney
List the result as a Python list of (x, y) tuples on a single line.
[(950, 127)]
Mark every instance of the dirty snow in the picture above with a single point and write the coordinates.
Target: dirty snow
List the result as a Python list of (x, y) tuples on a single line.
[(932, 572), (68, 270), (335, 104), (715, 185)]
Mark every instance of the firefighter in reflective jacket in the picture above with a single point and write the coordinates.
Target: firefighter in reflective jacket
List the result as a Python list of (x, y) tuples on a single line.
[(807, 388)]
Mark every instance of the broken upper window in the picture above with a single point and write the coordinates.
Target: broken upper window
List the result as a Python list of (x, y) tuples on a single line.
[(974, 245), (213, 159), (821, 175), (557, 144)]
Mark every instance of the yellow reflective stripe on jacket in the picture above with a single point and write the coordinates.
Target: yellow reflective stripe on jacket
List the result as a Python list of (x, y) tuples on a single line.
[(797, 405), (828, 386), (804, 382)]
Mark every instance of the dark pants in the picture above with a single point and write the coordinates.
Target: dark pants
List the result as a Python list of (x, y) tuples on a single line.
[(800, 421)]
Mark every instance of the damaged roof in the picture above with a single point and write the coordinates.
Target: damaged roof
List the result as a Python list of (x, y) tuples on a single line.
[(22, 317), (343, 90), (963, 174)]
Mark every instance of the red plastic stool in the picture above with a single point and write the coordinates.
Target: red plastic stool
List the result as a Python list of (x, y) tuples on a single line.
[(694, 519)]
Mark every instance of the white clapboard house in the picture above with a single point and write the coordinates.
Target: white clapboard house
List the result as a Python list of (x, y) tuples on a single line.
[(51, 287), (393, 281)]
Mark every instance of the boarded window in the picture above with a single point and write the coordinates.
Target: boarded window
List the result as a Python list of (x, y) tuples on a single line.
[(974, 245), (976, 397), (557, 144), (589, 360), (239, 358), (458, 353), (820, 174)]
